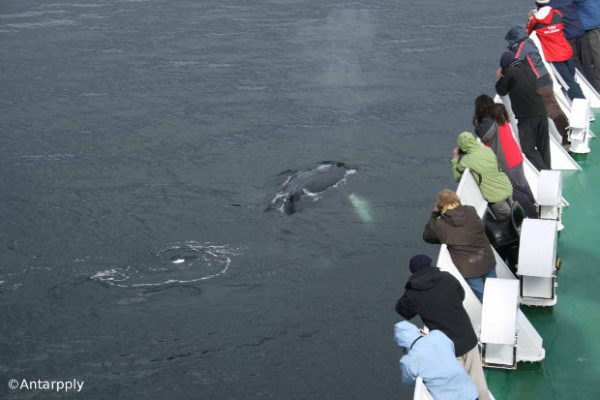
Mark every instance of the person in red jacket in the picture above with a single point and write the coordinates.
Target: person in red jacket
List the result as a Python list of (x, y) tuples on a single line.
[(492, 126), (547, 23)]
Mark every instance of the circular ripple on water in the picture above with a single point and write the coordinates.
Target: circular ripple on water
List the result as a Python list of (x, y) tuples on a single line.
[(190, 262)]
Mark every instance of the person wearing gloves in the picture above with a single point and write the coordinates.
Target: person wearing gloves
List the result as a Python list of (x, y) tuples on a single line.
[(482, 162), (431, 356)]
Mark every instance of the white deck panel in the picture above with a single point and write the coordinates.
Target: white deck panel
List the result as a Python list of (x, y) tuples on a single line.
[(549, 188), (499, 313), (537, 248)]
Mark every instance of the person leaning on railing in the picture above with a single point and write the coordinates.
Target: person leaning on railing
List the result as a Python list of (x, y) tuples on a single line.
[(525, 50), (492, 126), (437, 297), (516, 79), (495, 186), (431, 356), (462, 231)]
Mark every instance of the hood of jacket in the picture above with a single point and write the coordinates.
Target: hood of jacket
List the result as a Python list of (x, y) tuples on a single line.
[(516, 35), (423, 279), (457, 216), (405, 334), (467, 142)]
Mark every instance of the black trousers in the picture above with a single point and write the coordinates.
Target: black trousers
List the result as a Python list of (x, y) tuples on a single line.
[(583, 58), (535, 140)]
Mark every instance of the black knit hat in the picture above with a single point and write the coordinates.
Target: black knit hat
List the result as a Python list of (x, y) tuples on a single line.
[(419, 262), (506, 58)]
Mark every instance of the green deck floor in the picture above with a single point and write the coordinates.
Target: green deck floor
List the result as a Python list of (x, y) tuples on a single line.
[(570, 329)]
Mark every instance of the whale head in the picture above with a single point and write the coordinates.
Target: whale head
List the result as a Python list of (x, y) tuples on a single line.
[(289, 205)]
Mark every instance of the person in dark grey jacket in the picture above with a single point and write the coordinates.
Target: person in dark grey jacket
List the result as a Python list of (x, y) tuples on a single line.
[(436, 296), (525, 50), (461, 229), (493, 128), (516, 79)]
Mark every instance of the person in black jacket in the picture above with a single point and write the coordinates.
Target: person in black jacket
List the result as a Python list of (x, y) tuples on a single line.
[(437, 297), (525, 50), (518, 81)]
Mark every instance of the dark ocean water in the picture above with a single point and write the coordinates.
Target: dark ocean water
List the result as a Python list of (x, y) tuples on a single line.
[(142, 142)]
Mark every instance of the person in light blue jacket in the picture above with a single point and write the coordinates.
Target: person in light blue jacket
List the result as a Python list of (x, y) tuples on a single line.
[(432, 358)]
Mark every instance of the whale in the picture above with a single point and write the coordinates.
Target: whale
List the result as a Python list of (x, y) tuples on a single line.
[(312, 182)]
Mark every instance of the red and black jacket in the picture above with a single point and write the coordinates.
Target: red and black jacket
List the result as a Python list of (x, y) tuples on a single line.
[(547, 23)]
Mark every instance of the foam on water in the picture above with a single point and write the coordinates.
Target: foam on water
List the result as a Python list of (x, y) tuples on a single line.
[(41, 24), (187, 263)]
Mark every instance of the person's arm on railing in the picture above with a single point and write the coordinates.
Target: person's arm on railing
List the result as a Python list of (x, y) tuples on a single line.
[(406, 308)]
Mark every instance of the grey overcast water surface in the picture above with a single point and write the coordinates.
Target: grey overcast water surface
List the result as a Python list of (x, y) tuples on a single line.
[(142, 142)]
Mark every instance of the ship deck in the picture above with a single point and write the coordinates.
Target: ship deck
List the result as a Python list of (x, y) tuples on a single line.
[(570, 329)]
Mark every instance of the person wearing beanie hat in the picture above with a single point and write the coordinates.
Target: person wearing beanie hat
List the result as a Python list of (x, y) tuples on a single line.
[(548, 24), (431, 356), (518, 81), (419, 262), (436, 296), (506, 58)]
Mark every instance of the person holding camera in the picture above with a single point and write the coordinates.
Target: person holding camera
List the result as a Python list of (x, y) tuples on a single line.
[(482, 162), (462, 231)]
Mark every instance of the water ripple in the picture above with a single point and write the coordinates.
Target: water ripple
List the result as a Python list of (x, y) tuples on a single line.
[(190, 262)]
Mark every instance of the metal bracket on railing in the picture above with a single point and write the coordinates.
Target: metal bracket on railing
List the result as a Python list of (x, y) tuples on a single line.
[(579, 125)]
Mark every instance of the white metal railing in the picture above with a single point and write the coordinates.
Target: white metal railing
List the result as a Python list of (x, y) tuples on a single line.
[(529, 341), (560, 158), (588, 90)]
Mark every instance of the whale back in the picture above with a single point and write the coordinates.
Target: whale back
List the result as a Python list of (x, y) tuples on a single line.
[(315, 181)]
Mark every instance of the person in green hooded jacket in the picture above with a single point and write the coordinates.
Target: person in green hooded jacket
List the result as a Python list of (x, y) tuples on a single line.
[(482, 162)]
